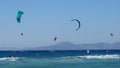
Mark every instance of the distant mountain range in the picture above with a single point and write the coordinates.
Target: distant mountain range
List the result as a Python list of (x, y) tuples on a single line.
[(71, 46)]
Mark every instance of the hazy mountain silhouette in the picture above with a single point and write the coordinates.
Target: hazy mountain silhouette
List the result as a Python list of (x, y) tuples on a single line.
[(71, 46)]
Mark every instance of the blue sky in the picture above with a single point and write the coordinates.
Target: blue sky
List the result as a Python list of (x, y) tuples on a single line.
[(45, 19)]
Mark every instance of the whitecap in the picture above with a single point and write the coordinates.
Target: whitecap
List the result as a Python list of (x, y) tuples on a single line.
[(9, 58), (101, 57), (93, 57)]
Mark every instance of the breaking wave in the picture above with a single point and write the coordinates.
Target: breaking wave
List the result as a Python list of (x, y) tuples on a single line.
[(93, 57), (10, 59)]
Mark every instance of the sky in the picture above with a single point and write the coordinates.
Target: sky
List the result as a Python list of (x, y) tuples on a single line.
[(45, 19)]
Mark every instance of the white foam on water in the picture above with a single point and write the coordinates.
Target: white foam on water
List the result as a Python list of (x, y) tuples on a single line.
[(93, 57), (101, 56), (9, 59)]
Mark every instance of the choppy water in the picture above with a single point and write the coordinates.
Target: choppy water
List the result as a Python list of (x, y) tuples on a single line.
[(61, 59)]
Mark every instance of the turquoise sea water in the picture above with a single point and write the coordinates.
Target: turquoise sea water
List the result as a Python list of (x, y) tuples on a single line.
[(61, 59)]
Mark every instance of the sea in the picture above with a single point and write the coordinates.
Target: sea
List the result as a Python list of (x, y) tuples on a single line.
[(60, 59)]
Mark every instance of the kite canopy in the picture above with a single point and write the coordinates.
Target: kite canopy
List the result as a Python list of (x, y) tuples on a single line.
[(55, 38), (19, 14), (78, 23), (111, 34), (21, 34)]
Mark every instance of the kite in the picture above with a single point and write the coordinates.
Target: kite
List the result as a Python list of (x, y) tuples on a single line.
[(19, 15), (55, 38), (111, 34), (79, 24), (21, 34)]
